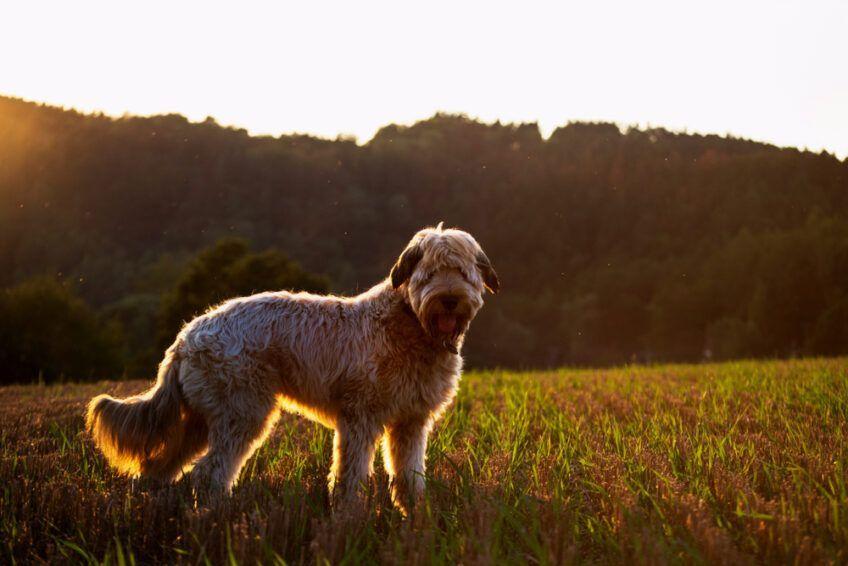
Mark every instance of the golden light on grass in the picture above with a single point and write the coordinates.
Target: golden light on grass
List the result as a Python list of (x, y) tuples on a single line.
[(733, 462)]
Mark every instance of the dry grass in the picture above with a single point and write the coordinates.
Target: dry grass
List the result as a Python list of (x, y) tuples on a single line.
[(729, 463)]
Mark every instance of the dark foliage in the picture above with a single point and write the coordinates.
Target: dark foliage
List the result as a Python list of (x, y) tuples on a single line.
[(47, 333), (229, 269), (611, 245)]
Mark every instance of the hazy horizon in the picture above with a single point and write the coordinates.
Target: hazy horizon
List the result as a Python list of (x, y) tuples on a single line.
[(766, 71)]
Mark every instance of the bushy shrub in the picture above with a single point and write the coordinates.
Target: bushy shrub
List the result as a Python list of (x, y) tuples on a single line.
[(48, 333), (229, 269)]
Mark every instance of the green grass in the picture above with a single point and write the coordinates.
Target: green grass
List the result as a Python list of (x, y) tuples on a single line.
[(736, 463)]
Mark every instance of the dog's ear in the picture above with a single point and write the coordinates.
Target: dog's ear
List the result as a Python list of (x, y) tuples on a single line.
[(402, 270), (490, 278)]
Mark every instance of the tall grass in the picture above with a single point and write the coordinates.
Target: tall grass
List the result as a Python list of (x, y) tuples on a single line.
[(727, 463)]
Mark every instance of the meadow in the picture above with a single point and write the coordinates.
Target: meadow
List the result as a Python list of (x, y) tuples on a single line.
[(742, 462)]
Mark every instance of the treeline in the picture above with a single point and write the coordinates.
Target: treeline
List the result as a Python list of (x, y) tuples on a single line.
[(611, 245), (47, 333)]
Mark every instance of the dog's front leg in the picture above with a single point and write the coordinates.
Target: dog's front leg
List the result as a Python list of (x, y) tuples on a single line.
[(404, 450), (353, 459)]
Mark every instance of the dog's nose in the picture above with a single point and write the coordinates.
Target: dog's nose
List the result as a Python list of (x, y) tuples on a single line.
[(449, 303)]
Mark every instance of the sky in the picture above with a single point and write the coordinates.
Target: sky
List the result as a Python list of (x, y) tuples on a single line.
[(774, 71)]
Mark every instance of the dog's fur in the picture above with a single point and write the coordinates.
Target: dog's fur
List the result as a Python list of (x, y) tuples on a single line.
[(383, 363)]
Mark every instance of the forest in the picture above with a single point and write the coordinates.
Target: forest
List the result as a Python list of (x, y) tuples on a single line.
[(613, 244)]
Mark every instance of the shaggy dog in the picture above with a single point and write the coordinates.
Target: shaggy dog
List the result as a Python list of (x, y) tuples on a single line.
[(384, 363)]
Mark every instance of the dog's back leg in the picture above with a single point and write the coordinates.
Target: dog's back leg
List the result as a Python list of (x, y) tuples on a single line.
[(192, 443), (238, 424)]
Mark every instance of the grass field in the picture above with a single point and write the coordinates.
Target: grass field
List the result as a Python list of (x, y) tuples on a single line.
[(736, 463)]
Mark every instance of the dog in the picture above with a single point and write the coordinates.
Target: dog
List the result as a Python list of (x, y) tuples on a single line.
[(385, 363)]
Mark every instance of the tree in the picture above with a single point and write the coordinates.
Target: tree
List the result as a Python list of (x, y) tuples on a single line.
[(225, 270), (47, 332)]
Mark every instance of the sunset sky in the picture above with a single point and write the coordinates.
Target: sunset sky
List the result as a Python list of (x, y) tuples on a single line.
[(769, 70)]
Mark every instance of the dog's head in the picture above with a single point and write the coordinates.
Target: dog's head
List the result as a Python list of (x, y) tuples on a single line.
[(443, 273)]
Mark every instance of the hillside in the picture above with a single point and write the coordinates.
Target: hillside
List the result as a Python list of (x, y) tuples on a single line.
[(611, 245)]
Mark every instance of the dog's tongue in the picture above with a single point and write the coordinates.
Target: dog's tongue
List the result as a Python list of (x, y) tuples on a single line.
[(446, 323)]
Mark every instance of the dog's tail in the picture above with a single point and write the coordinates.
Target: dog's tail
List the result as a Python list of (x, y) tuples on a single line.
[(151, 434)]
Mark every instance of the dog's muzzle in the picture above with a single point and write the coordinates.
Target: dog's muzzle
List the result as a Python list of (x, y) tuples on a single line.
[(447, 321)]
